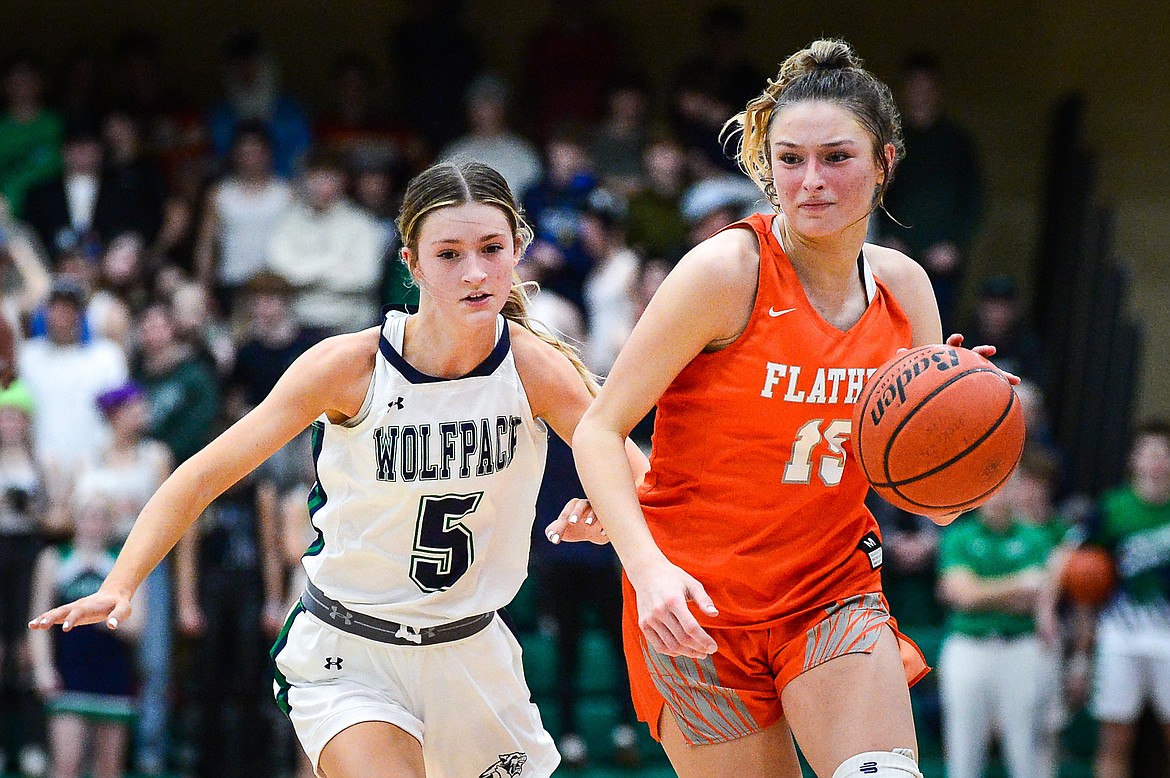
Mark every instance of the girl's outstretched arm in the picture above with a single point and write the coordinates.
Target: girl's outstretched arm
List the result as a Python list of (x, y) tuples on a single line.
[(331, 377)]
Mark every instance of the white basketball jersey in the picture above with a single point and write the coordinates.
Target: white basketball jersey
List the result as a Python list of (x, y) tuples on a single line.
[(424, 501)]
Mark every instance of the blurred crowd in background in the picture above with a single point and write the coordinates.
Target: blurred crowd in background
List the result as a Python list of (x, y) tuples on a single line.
[(165, 262)]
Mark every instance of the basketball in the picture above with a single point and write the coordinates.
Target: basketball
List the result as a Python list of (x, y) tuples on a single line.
[(1088, 575), (937, 430)]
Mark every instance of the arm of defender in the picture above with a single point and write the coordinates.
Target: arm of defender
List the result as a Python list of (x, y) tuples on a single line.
[(557, 394), (332, 378)]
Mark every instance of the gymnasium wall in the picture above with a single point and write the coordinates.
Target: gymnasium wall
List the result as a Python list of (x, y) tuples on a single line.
[(1007, 62)]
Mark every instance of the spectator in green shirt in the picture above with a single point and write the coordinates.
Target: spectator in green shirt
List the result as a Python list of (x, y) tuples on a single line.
[(30, 135), (992, 573), (184, 397)]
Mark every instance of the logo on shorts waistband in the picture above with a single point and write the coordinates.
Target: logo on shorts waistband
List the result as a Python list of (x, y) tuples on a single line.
[(507, 765), (336, 613), (406, 632)]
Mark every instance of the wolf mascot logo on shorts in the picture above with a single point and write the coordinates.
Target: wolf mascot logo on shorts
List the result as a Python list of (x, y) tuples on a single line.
[(507, 765)]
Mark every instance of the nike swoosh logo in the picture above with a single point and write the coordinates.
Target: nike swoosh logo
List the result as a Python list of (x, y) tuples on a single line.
[(774, 313)]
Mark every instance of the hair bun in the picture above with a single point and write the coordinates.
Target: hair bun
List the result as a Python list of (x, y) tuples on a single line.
[(834, 64), (823, 54), (829, 70)]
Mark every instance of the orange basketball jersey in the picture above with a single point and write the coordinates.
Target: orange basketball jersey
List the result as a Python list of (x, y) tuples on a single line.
[(753, 488)]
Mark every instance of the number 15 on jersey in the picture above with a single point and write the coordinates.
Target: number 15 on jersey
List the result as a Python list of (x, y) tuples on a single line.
[(830, 466)]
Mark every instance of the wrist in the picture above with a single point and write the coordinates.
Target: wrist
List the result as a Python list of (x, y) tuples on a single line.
[(644, 564), (118, 590)]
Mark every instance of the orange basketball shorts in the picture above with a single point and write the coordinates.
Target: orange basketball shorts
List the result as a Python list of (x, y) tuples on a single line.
[(736, 691)]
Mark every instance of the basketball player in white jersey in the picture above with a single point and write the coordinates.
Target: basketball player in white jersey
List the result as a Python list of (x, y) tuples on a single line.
[(429, 442)]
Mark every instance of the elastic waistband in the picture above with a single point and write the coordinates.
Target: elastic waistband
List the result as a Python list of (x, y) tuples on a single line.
[(337, 615)]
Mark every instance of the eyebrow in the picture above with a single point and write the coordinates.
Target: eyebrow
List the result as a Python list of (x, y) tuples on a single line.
[(830, 144), (457, 241)]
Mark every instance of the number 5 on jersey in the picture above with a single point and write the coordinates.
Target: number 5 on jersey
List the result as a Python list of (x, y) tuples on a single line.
[(831, 465), (443, 547)]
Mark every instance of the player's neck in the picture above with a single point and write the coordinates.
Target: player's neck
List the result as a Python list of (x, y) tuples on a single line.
[(444, 348), (824, 264), (828, 256)]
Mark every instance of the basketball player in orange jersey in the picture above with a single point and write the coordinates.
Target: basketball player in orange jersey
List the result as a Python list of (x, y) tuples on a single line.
[(754, 350)]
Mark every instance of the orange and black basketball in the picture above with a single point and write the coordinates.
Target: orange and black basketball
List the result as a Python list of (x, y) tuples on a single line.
[(1088, 575), (937, 430)]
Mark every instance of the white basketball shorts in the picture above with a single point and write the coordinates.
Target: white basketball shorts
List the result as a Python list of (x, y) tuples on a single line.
[(465, 701)]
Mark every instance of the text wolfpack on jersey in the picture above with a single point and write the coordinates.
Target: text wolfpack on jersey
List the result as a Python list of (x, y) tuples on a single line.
[(829, 385), (432, 452)]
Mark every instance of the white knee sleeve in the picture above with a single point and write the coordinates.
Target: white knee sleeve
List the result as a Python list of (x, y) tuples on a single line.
[(879, 764)]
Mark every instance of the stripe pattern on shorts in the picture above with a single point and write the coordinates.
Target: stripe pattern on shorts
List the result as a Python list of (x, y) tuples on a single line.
[(852, 627), (705, 711), (281, 686)]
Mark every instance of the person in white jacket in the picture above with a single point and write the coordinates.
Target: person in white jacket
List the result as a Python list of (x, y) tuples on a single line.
[(331, 251)]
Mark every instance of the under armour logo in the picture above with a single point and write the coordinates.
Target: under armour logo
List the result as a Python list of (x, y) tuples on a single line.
[(868, 768), (335, 613), (408, 633), (333, 663), (396, 405)]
